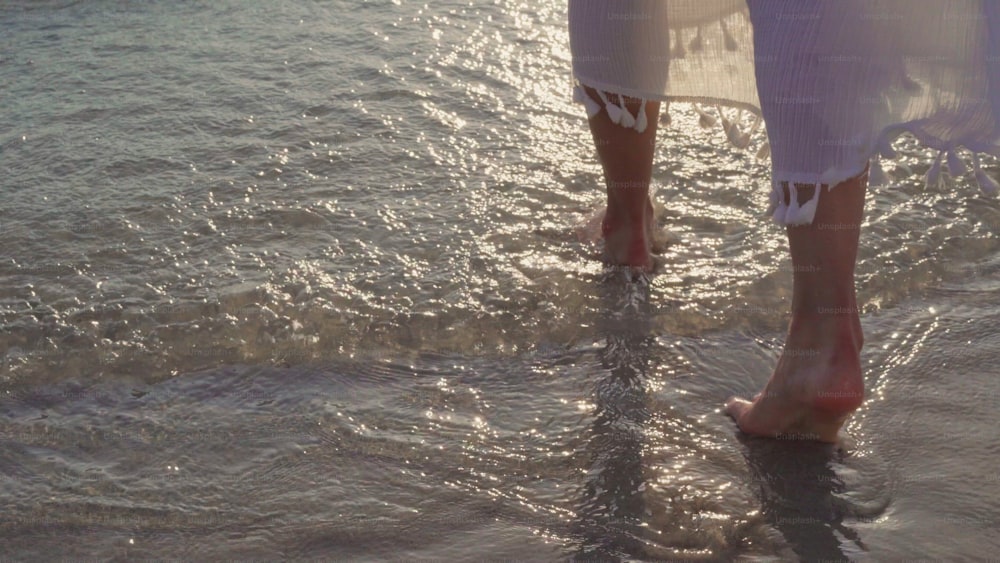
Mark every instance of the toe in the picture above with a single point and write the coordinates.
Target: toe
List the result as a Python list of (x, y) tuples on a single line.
[(736, 407), (747, 417)]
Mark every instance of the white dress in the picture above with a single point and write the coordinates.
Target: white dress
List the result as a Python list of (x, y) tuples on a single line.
[(835, 81)]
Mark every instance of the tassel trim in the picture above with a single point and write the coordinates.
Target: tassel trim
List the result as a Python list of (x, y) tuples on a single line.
[(614, 104), (794, 213), (618, 113)]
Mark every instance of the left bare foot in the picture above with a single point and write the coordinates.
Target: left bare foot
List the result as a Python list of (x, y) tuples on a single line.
[(814, 388)]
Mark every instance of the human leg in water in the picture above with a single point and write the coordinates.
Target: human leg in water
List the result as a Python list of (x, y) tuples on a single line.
[(817, 383), (627, 158)]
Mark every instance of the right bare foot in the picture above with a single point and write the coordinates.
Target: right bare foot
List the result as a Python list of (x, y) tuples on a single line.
[(815, 387)]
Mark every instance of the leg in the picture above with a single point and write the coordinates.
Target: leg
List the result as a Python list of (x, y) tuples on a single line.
[(817, 383), (627, 159)]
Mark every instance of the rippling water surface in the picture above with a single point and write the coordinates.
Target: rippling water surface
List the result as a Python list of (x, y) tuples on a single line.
[(293, 279)]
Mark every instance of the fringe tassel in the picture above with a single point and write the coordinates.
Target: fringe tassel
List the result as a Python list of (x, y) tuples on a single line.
[(777, 198), (792, 214), (581, 97), (764, 151), (807, 212), (695, 44), (678, 50), (705, 119), (619, 114), (614, 112), (932, 180), (729, 41), (736, 136), (780, 207), (793, 207), (641, 121), (985, 181), (628, 121)]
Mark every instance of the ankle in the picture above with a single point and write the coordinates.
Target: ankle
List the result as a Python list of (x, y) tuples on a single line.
[(627, 229), (628, 247), (821, 362), (825, 332)]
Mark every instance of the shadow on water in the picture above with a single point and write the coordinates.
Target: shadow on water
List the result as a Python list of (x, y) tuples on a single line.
[(799, 495), (613, 508), (794, 482)]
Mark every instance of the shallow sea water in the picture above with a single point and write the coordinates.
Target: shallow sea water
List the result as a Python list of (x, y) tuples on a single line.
[(300, 280)]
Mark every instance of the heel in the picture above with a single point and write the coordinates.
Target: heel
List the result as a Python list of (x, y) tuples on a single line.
[(823, 425)]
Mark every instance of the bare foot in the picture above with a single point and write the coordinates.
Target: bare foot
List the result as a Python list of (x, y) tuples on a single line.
[(591, 231), (815, 387), (629, 240)]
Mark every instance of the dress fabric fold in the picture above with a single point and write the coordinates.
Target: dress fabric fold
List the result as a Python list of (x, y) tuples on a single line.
[(835, 81)]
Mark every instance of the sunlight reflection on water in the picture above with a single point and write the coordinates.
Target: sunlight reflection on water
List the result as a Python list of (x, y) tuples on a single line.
[(312, 289)]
